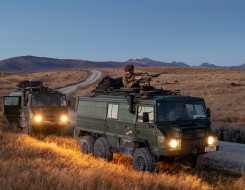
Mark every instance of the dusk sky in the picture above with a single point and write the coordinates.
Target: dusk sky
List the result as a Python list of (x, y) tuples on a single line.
[(189, 31)]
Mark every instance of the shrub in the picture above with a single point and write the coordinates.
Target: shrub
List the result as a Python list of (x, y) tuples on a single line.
[(233, 84), (229, 133)]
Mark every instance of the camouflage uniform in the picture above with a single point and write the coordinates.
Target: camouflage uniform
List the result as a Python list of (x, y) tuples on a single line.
[(128, 84)]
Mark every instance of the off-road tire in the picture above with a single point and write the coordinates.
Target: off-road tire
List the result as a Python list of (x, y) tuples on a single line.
[(102, 149), (87, 145), (143, 160)]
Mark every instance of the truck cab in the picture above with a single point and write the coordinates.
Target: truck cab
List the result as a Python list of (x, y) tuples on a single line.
[(150, 127)]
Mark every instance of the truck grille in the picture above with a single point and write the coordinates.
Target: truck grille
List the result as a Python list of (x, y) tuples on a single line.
[(189, 143), (194, 133)]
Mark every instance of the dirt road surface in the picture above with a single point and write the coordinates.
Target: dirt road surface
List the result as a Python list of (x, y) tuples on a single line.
[(95, 75), (230, 156)]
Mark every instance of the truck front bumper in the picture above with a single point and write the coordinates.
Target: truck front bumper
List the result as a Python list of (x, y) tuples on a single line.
[(188, 151)]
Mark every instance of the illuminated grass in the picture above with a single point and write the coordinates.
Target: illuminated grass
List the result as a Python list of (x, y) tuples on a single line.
[(28, 163), (56, 163)]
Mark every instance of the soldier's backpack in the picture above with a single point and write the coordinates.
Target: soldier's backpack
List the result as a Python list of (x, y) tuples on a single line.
[(22, 84), (34, 84), (108, 82)]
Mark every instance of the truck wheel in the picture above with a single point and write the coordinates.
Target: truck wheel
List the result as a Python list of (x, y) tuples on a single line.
[(143, 160), (102, 149), (87, 145)]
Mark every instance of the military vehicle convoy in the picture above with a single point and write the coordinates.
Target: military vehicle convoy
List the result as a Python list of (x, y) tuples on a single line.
[(36, 108), (150, 126)]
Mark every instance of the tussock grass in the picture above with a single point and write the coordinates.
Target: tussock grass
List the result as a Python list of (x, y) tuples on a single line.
[(56, 163), (28, 163), (231, 132)]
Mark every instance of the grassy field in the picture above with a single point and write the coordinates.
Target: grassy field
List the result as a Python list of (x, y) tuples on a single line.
[(56, 163)]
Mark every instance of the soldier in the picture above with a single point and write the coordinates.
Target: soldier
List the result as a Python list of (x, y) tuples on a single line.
[(129, 77)]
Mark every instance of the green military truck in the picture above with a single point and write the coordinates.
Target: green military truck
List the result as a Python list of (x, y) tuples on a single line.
[(36, 108), (150, 127)]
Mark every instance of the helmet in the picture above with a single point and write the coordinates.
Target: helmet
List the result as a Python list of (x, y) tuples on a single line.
[(128, 68)]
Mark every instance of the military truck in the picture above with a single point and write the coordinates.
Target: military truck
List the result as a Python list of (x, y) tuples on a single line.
[(152, 126), (36, 108)]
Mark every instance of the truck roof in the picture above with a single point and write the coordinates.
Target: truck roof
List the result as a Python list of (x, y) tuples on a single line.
[(139, 99), (47, 92)]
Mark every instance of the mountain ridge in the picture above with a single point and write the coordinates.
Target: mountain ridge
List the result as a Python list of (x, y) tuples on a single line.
[(33, 64)]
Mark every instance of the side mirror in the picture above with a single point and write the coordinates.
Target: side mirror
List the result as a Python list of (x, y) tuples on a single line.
[(69, 103), (145, 117), (208, 112)]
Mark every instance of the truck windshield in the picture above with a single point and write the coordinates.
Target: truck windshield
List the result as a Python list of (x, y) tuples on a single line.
[(172, 111), (48, 100)]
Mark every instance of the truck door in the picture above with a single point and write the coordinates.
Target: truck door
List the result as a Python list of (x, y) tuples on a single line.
[(145, 130), (12, 108), (112, 124)]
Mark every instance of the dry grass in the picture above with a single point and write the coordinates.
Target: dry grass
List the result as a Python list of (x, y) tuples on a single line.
[(230, 132), (28, 163), (56, 163)]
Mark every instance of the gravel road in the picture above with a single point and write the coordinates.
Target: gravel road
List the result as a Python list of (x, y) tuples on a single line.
[(230, 156), (95, 75)]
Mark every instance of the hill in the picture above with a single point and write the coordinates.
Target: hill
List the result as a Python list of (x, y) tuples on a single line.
[(241, 67), (32, 64), (208, 65)]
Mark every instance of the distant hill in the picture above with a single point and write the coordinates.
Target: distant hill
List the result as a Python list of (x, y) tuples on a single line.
[(32, 64), (241, 67), (152, 63), (208, 65)]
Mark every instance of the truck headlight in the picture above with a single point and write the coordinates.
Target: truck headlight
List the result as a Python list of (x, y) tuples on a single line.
[(38, 118), (210, 140), (64, 118), (173, 143)]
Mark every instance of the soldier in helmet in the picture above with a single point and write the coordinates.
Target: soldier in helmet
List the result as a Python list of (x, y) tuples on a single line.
[(129, 77)]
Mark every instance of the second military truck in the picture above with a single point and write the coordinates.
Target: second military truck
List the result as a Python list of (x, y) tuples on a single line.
[(36, 108), (149, 127)]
